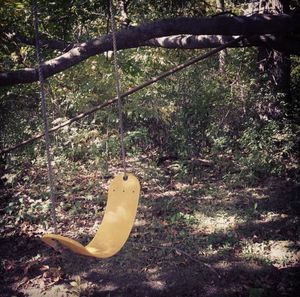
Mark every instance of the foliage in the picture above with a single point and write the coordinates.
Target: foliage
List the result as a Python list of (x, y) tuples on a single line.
[(30, 210), (266, 149)]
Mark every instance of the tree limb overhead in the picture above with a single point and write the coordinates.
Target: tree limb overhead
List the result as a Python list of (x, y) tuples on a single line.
[(138, 36), (291, 46)]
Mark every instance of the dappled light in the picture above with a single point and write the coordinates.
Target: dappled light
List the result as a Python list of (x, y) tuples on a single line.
[(176, 240)]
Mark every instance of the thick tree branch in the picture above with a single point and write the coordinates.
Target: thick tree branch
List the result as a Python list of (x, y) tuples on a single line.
[(136, 36), (213, 41), (291, 46)]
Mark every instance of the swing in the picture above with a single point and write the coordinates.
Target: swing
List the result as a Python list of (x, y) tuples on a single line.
[(123, 192), (122, 202)]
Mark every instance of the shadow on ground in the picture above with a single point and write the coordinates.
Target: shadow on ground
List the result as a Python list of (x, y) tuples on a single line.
[(170, 253)]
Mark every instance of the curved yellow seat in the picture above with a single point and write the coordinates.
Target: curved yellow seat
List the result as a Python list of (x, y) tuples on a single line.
[(118, 219)]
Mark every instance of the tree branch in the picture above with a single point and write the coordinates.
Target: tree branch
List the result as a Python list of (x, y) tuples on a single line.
[(46, 43), (181, 42), (212, 41), (135, 36)]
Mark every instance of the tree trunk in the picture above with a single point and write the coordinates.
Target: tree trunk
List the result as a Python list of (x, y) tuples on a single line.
[(276, 64)]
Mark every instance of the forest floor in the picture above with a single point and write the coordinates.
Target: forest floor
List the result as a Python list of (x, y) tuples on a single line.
[(198, 233)]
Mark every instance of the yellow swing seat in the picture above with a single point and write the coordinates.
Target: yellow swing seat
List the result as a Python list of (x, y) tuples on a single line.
[(118, 219)]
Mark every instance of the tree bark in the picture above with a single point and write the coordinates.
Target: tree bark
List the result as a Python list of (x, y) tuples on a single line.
[(136, 36), (276, 63), (183, 41)]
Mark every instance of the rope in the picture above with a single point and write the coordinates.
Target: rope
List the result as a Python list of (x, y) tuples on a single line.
[(118, 87), (44, 113)]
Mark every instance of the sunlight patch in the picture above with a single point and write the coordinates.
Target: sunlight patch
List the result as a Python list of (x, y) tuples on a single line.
[(272, 216), (220, 222), (156, 285), (281, 253)]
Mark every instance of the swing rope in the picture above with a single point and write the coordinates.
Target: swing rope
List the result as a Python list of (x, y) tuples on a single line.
[(44, 114), (118, 86)]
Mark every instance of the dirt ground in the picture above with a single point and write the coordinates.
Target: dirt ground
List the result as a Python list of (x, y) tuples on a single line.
[(192, 237)]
